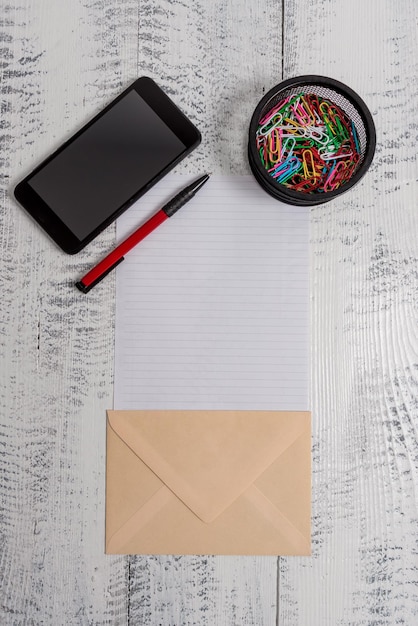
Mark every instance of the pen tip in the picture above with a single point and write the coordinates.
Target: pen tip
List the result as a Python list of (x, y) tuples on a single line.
[(200, 181)]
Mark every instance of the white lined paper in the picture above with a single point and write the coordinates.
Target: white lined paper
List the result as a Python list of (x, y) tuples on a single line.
[(212, 308)]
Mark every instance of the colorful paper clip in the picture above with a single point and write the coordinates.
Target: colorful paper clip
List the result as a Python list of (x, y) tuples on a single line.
[(308, 144)]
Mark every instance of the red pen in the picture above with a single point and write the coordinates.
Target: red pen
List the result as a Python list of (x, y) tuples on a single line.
[(115, 257)]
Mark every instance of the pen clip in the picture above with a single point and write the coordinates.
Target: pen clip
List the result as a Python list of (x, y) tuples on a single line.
[(86, 288)]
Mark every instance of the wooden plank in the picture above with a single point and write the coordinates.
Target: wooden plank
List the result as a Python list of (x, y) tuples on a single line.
[(364, 344), (61, 62), (210, 56), (203, 591)]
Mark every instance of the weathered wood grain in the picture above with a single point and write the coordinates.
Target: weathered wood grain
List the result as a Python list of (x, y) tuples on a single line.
[(60, 62), (201, 591), (364, 566)]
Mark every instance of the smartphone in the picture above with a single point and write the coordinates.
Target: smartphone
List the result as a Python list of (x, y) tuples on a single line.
[(113, 160)]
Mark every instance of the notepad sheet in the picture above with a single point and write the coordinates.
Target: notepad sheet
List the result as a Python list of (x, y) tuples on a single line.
[(212, 308)]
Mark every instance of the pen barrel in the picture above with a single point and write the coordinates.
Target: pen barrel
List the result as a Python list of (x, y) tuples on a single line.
[(112, 259), (142, 232)]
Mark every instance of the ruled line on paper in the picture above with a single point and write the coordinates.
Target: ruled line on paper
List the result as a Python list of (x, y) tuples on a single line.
[(212, 309)]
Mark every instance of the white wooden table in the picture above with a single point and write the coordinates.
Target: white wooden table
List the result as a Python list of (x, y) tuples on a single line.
[(61, 61)]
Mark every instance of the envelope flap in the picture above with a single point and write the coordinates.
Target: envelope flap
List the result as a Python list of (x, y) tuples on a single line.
[(208, 458)]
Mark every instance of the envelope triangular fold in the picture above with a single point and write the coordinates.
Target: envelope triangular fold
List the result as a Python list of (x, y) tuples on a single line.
[(208, 458)]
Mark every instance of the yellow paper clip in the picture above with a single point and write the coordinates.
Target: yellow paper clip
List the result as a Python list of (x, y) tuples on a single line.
[(309, 168), (274, 146)]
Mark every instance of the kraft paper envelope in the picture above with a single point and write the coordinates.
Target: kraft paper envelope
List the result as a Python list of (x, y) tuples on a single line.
[(208, 482)]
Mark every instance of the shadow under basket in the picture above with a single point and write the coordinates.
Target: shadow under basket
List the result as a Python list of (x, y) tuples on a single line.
[(332, 99)]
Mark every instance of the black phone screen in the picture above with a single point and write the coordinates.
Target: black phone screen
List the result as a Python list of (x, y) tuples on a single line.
[(106, 164)]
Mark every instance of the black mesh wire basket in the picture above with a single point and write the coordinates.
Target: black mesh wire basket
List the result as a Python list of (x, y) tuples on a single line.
[(331, 96)]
